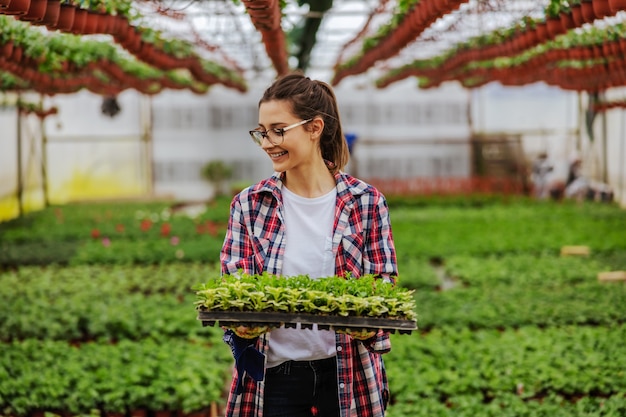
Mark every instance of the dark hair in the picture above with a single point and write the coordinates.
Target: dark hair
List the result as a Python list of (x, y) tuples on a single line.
[(312, 98)]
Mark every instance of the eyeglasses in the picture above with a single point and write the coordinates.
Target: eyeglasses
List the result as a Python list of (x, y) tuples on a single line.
[(276, 136)]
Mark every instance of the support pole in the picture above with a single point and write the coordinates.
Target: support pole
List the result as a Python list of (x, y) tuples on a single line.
[(147, 142), (605, 146), (44, 163), (622, 190), (20, 180)]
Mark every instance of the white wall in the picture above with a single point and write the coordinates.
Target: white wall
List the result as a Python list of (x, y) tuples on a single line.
[(8, 162), (607, 153), (403, 132), (92, 155)]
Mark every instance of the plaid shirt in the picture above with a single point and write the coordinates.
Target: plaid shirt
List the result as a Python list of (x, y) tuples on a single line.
[(363, 244)]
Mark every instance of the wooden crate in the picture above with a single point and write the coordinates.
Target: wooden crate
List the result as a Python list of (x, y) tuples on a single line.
[(575, 251), (612, 276)]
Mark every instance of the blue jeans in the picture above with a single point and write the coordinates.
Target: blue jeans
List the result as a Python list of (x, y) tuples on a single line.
[(302, 389)]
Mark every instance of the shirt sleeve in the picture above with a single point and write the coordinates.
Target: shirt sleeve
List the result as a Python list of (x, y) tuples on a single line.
[(380, 253), (237, 254), (380, 260)]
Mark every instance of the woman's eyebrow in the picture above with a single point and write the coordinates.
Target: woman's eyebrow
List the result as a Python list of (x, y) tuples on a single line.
[(272, 125)]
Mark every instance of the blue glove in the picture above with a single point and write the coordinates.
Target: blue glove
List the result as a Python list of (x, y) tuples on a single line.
[(247, 358)]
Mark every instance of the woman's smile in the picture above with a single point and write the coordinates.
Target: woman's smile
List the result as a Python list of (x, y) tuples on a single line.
[(276, 155)]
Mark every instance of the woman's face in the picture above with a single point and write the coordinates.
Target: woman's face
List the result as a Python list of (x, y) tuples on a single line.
[(299, 146)]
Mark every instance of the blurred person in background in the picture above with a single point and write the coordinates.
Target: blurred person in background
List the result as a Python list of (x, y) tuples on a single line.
[(541, 169), (576, 185)]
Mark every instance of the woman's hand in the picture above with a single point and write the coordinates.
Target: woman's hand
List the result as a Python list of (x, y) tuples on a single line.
[(358, 334), (246, 332)]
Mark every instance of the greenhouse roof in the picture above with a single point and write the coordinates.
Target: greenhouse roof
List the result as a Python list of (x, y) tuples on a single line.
[(226, 28)]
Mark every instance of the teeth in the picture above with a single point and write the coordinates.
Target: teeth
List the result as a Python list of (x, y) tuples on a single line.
[(276, 155)]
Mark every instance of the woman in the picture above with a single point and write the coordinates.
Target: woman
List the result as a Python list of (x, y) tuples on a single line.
[(309, 218)]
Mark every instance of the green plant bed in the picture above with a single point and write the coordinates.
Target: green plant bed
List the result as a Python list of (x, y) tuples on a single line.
[(436, 231), (37, 253), (68, 380), (100, 302), (517, 290), (511, 405), (535, 364), (513, 306), (149, 251), (118, 233), (334, 302), (524, 270)]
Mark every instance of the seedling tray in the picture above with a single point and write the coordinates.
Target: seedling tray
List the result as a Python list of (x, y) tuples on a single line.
[(291, 320)]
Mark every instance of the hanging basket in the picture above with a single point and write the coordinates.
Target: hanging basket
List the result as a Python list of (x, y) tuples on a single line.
[(567, 21), (91, 23), (53, 10), (617, 5), (587, 11), (66, 18), (555, 27), (17, 7), (6, 50), (601, 8), (36, 11), (577, 15), (80, 15)]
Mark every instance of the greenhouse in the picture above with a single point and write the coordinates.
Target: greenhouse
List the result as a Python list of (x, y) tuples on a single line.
[(494, 129)]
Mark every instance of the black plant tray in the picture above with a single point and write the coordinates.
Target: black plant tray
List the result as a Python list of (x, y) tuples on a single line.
[(290, 320)]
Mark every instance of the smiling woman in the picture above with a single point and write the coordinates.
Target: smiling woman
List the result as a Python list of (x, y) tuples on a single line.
[(309, 218)]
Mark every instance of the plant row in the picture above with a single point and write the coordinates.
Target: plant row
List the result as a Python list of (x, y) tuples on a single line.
[(504, 229), (154, 233), (138, 221), (511, 305), (112, 250), (89, 234), (123, 302), (514, 370), (52, 376), (571, 362), (511, 405)]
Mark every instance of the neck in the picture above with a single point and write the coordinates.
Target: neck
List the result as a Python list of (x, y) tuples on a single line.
[(310, 183)]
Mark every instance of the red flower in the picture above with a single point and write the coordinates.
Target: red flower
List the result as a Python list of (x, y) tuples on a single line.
[(166, 228), (211, 228), (95, 233), (145, 225)]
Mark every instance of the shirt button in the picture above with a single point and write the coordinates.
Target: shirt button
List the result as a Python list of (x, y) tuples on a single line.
[(339, 348), (342, 385)]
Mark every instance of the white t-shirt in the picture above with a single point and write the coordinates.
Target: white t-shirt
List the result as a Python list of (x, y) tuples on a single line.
[(308, 251)]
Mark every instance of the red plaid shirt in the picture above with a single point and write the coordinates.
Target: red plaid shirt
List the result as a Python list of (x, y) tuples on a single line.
[(363, 244)]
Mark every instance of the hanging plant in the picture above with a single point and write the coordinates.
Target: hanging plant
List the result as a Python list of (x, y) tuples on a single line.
[(412, 18), (10, 82), (26, 107)]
